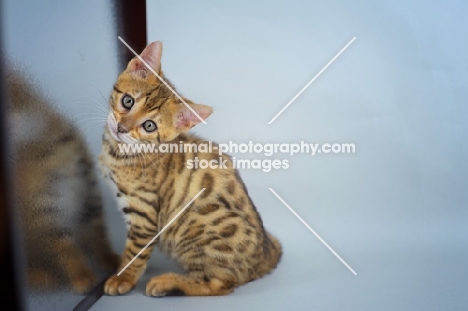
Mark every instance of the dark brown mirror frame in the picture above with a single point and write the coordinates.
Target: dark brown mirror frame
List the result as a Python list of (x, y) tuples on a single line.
[(131, 26), (10, 256)]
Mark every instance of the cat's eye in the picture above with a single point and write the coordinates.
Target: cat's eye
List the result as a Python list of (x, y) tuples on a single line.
[(149, 126), (127, 101)]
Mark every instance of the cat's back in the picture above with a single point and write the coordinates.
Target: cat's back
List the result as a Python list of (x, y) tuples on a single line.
[(35, 122), (48, 152)]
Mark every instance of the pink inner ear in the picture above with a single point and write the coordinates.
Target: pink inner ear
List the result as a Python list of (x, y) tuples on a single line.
[(186, 118), (151, 55)]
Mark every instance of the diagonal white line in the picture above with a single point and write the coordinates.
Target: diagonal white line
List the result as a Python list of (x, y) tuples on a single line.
[(312, 230), (161, 79), (313, 79), (160, 232)]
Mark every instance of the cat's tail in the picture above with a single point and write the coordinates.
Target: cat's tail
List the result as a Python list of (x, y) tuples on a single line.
[(272, 251)]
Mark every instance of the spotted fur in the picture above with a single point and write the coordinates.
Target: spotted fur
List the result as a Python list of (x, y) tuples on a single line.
[(220, 239)]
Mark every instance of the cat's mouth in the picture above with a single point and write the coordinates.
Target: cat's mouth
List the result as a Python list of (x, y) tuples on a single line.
[(112, 125)]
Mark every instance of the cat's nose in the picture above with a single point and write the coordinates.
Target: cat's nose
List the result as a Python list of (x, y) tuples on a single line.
[(121, 129)]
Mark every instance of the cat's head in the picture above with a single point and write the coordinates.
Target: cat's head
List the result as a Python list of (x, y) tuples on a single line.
[(144, 109)]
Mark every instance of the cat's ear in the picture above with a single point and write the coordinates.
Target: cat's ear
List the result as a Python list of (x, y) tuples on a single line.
[(151, 55), (186, 118)]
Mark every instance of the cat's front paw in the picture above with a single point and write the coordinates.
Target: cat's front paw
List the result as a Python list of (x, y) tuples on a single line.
[(118, 285), (82, 283)]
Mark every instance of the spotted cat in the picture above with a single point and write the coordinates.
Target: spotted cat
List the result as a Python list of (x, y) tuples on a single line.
[(219, 239)]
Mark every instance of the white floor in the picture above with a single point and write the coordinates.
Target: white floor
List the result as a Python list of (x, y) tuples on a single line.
[(395, 211)]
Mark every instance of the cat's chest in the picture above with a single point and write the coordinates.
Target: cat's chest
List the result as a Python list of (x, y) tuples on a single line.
[(129, 191)]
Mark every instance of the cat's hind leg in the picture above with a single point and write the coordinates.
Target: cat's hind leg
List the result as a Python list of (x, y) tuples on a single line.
[(172, 284), (73, 263), (42, 280), (93, 238)]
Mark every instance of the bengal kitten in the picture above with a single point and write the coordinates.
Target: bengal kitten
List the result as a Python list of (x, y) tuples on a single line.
[(219, 239), (57, 195)]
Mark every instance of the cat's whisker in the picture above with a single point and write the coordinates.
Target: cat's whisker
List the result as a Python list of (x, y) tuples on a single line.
[(92, 115), (98, 108), (134, 166), (89, 114), (150, 159), (130, 163), (141, 165), (144, 161), (102, 95), (101, 111), (122, 155), (85, 103), (89, 124), (98, 103), (134, 140), (100, 118), (90, 121), (93, 126), (84, 118)]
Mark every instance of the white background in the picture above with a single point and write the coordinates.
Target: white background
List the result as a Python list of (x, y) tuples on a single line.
[(396, 210)]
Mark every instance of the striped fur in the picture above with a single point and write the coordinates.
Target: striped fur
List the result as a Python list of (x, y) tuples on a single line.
[(220, 239), (57, 194)]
